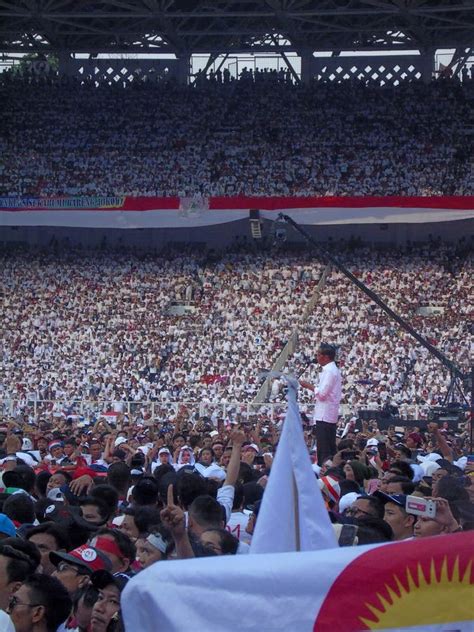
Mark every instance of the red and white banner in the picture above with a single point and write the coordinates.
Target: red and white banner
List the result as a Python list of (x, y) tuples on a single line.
[(421, 584), (157, 212)]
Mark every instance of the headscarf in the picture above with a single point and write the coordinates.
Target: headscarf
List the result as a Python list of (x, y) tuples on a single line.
[(179, 464)]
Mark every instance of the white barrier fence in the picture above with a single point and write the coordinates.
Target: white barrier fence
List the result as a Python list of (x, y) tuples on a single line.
[(90, 410)]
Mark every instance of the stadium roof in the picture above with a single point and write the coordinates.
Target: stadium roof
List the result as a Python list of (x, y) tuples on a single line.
[(214, 26)]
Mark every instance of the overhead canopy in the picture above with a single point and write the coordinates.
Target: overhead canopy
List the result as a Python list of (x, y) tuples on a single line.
[(184, 27)]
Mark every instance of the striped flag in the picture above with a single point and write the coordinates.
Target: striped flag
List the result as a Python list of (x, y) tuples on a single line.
[(423, 584)]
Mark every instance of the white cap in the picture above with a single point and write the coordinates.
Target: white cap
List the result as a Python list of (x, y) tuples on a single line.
[(56, 494), (163, 451), (372, 442), (119, 440), (27, 459), (27, 444), (347, 501), (418, 472), (461, 463), (433, 456), (254, 446), (429, 467)]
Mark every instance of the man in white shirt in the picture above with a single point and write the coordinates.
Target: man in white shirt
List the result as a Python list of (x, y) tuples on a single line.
[(327, 396)]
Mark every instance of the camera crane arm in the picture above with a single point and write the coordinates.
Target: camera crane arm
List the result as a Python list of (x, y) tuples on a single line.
[(445, 361)]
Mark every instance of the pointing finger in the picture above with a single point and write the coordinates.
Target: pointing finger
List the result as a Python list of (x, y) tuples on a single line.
[(170, 499)]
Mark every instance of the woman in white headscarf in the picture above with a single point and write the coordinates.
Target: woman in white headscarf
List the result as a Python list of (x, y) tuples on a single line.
[(185, 457)]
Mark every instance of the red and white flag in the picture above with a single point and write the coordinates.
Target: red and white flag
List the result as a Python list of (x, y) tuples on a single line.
[(424, 584)]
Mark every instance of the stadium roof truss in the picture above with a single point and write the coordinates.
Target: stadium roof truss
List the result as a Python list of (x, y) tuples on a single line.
[(183, 27)]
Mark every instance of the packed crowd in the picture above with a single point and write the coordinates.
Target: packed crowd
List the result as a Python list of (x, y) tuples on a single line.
[(83, 511), (96, 327), (249, 137)]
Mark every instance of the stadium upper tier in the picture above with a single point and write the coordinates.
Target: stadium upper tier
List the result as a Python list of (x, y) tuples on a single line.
[(97, 326), (267, 137)]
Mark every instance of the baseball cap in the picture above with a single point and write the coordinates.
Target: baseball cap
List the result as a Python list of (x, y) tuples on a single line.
[(100, 579), (27, 444), (106, 545), (119, 440), (88, 557), (347, 501), (253, 446), (67, 516), (56, 494), (397, 499), (163, 451), (432, 456), (372, 442)]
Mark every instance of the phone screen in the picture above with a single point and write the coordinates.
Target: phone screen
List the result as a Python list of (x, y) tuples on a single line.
[(348, 534)]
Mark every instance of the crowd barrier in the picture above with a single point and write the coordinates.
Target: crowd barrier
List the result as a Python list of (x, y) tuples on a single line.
[(88, 411)]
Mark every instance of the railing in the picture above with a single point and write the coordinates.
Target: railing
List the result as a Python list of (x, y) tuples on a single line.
[(161, 411)]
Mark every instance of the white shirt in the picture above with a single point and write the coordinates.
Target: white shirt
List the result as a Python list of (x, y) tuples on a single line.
[(6, 624), (328, 394), (236, 526), (225, 497)]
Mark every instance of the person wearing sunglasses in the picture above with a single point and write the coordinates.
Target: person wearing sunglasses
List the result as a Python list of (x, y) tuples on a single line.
[(41, 604), (365, 507), (74, 569)]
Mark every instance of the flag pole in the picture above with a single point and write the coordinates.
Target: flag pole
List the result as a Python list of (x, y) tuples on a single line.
[(296, 509)]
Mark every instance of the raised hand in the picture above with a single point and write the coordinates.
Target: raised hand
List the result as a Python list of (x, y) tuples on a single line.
[(237, 436), (173, 516)]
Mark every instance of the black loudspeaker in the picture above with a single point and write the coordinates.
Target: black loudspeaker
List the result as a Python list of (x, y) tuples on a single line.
[(366, 415)]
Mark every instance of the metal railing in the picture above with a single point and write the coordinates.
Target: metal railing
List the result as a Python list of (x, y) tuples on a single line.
[(158, 411)]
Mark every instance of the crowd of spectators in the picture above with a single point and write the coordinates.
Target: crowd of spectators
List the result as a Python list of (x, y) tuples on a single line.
[(103, 470), (96, 327), (84, 511), (247, 137)]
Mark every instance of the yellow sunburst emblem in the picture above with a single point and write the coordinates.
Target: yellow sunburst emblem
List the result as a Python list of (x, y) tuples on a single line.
[(445, 597), (412, 584)]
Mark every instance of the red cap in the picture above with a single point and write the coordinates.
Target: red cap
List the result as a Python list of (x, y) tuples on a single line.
[(107, 545), (85, 555)]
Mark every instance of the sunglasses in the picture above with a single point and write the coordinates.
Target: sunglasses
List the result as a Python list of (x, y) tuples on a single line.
[(63, 567), (354, 511)]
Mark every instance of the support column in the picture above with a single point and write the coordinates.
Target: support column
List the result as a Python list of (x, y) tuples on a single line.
[(65, 64), (184, 68), (427, 65), (307, 65)]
